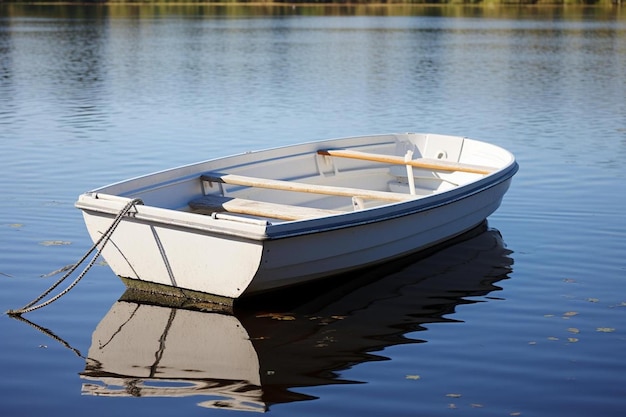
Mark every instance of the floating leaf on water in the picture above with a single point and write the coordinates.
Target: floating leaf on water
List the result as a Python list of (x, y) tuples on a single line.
[(55, 243), (570, 314), (283, 317), (58, 271), (605, 329), (413, 377), (573, 330), (288, 318), (277, 316), (16, 225), (572, 339), (593, 300), (454, 395), (331, 319)]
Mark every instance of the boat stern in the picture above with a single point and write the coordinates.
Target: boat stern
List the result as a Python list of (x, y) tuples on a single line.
[(155, 248)]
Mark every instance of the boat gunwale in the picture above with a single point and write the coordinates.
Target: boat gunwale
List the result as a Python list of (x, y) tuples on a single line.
[(272, 231)]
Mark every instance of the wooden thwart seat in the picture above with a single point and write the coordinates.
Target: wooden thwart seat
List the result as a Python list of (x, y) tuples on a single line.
[(424, 163), (213, 203), (233, 179)]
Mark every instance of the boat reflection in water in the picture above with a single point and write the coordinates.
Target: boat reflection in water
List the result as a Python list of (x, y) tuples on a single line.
[(251, 357)]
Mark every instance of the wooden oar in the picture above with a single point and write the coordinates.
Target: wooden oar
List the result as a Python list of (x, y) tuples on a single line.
[(424, 163)]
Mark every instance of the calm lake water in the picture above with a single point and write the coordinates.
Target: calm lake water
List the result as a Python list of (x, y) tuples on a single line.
[(524, 317)]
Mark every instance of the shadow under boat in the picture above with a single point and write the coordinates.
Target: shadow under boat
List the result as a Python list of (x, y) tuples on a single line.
[(256, 354)]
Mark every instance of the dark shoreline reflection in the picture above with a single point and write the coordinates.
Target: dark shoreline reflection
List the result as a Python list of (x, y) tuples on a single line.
[(254, 356)]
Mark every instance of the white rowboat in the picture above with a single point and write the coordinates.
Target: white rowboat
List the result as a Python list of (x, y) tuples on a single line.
[(254, 222)]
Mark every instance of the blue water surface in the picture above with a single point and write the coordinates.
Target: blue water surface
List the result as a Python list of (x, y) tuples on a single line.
[(527, 316)]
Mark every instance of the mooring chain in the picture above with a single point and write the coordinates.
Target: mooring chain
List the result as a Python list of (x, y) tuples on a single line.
[(99, 245), (49, 333)]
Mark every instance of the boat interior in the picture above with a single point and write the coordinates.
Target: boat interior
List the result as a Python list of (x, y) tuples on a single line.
[(316, 179), (346, 187)]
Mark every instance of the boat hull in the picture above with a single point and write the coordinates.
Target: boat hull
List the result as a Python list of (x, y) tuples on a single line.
[(302, 258), (158, 247)]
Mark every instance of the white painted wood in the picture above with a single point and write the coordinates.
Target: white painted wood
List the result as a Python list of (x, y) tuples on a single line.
[(409, 171)]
